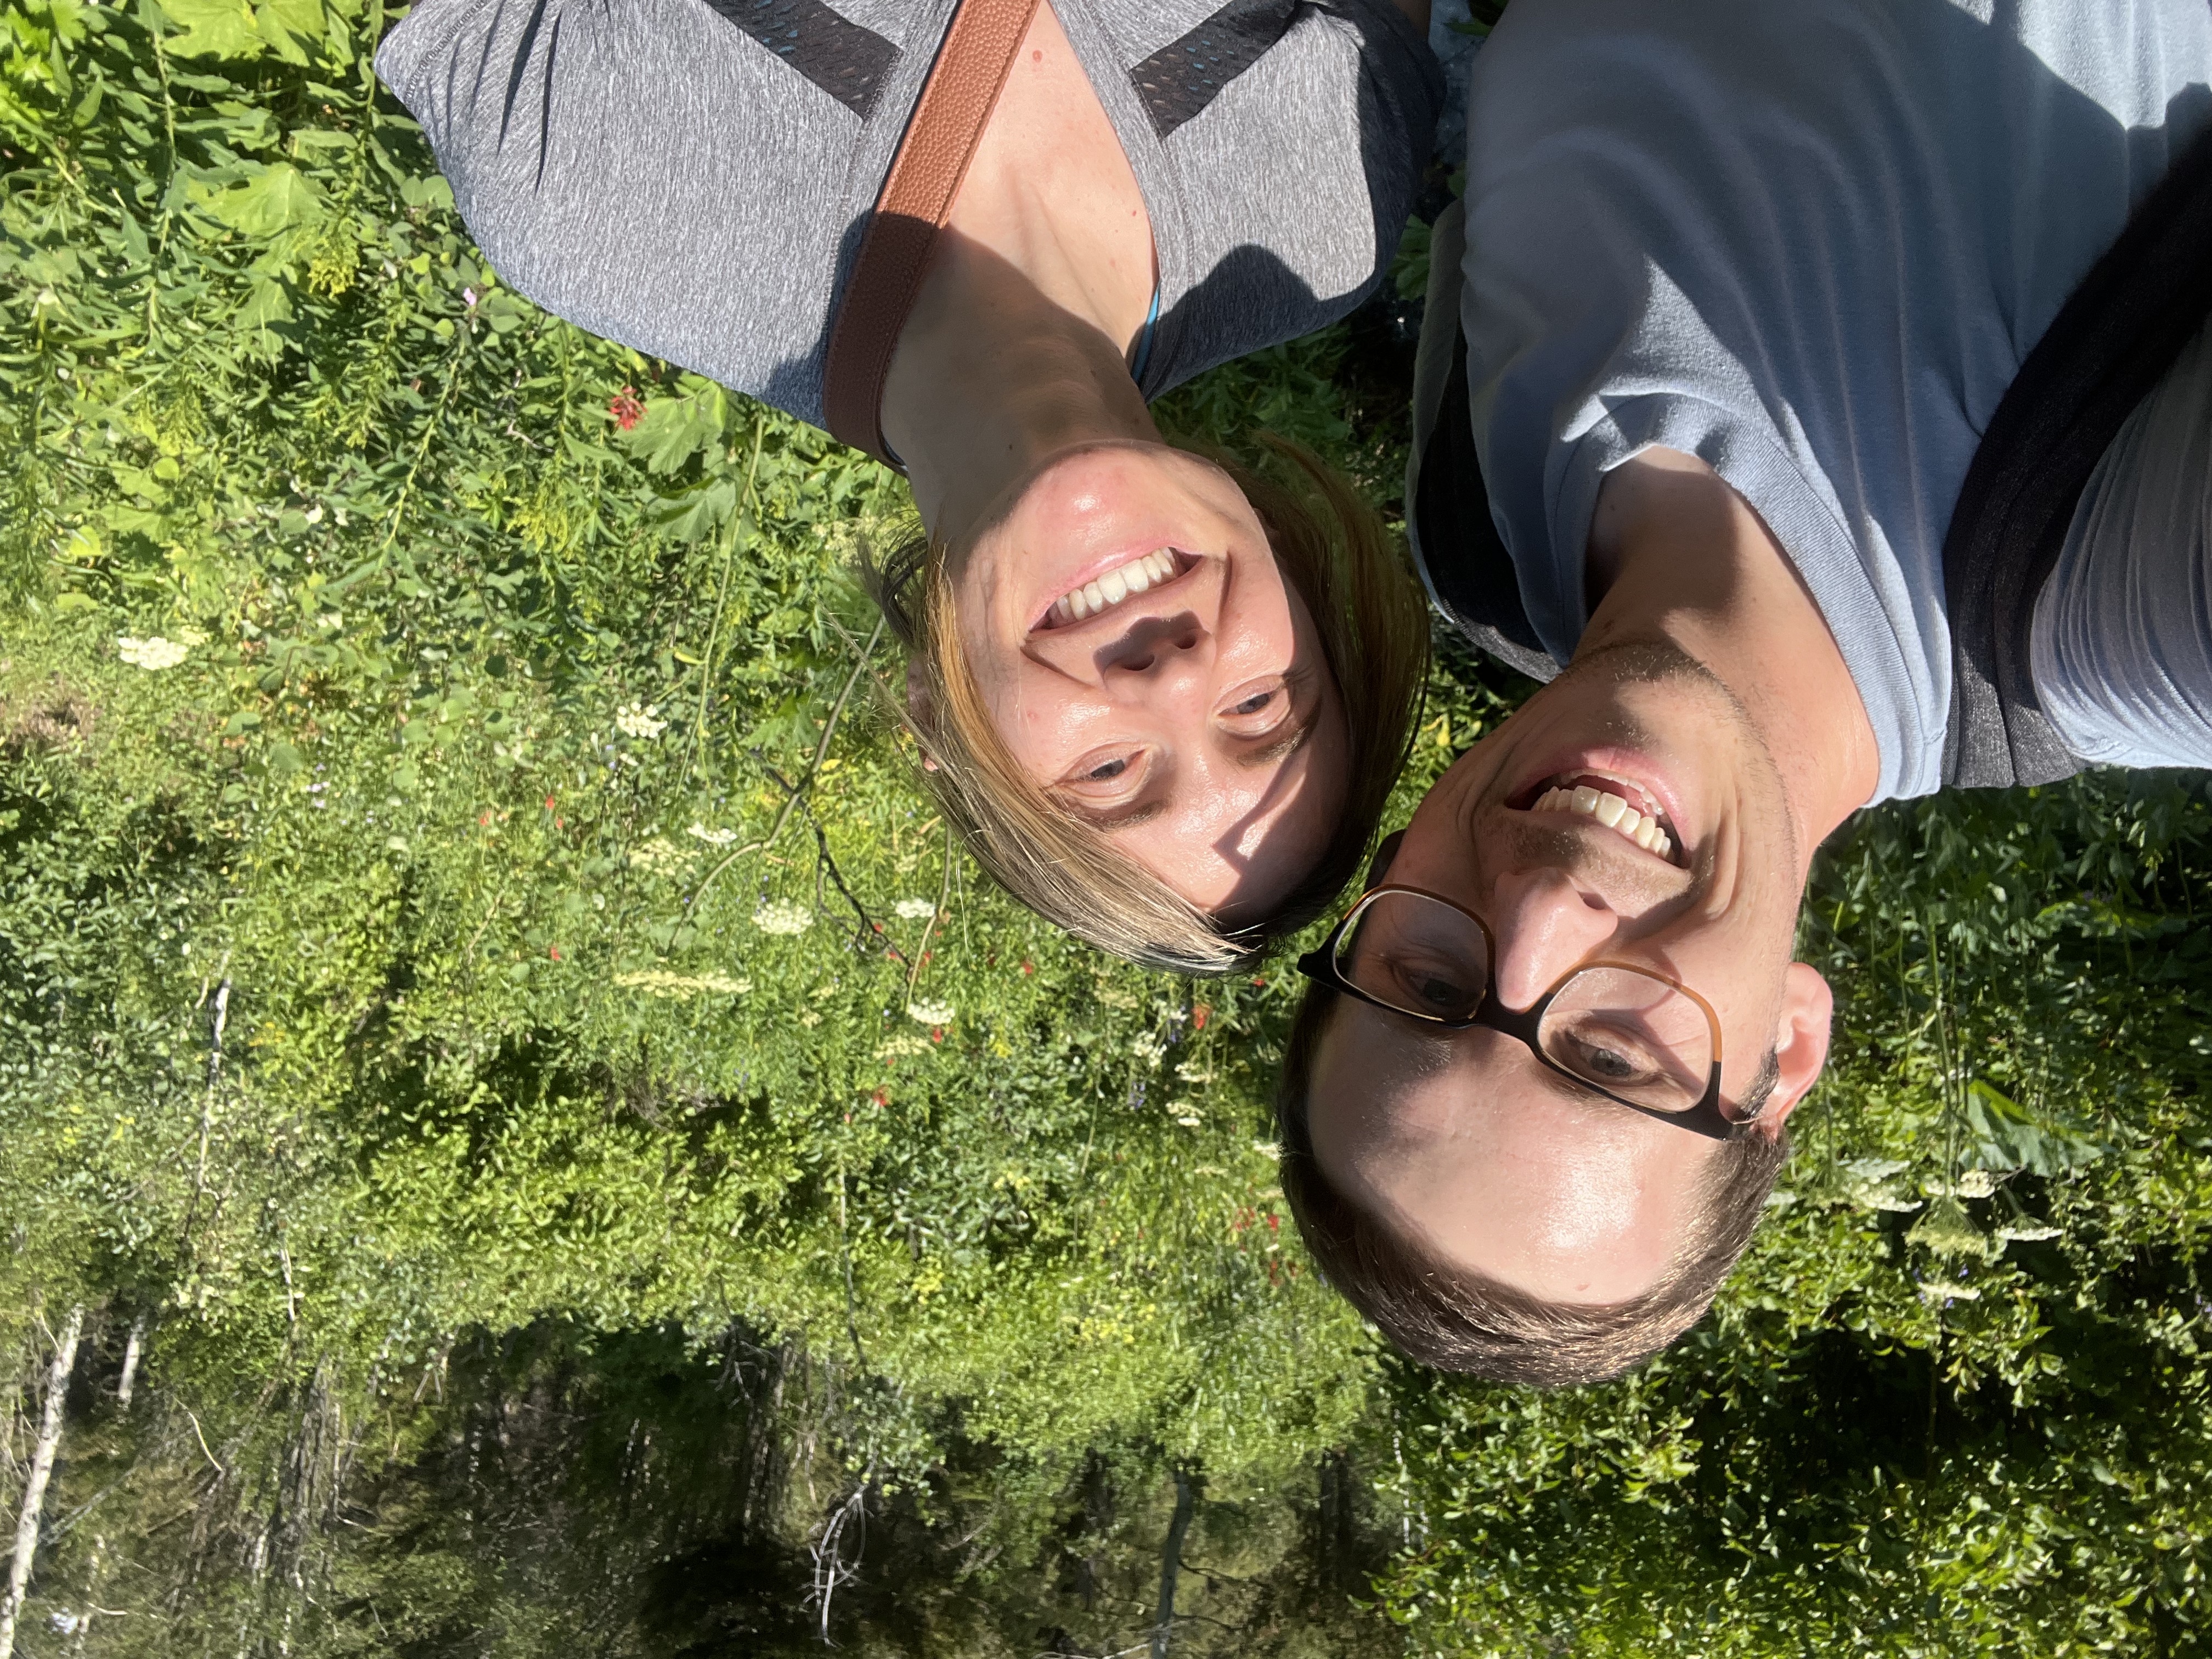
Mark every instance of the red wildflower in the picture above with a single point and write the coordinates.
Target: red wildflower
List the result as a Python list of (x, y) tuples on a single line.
[(1029, 967), (937, 1034), (1199, 1015), (554, 952), (881, 1098), (549, 803), (625, 408)]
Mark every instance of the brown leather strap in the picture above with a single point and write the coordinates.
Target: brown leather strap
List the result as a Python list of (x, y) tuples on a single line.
[(940, 141)]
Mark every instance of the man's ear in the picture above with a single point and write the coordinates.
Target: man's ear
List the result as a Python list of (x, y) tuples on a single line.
[(921, 706), (1801, 1041)]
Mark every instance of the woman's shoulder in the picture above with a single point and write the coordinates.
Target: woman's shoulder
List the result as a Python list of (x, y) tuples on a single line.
[(680, 175), (1282, 144)]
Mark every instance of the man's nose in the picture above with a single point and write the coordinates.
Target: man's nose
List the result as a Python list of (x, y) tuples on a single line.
[(1547, 923)]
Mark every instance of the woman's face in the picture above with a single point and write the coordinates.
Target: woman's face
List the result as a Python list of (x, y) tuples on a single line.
[(1144, 659)]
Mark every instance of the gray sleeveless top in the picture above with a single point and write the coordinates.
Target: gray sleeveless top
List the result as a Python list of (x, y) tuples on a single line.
[(692, 177)]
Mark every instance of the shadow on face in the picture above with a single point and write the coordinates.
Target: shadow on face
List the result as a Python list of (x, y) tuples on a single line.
[(1143, 659), (1498, 1166), (1464, 1142)]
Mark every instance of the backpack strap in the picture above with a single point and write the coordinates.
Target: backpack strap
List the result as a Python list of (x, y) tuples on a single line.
[(2110, 344), (1463, 560), (948, 121)]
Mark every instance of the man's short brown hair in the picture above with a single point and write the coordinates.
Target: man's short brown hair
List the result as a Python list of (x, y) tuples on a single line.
[(1457, 1321)]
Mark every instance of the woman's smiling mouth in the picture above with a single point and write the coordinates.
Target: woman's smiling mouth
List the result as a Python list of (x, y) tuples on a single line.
[(1139, 573)]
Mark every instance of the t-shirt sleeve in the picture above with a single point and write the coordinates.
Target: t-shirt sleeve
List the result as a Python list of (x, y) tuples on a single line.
[(643, 168)]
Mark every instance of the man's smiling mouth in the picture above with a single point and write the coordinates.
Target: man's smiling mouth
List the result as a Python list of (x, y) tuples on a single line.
[(1621, 806)]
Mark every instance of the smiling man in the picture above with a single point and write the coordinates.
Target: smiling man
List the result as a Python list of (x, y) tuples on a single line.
[(1817, 395)]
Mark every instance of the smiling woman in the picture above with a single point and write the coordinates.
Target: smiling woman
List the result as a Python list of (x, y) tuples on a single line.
[(1118, 772), (976, 246)]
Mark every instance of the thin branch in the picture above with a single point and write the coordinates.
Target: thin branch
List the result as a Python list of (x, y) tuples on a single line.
[(738, 527), (806, 778), (944, 896)]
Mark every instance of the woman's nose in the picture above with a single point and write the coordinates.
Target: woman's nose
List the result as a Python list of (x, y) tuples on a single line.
[(1153, 641), (1545, 925)]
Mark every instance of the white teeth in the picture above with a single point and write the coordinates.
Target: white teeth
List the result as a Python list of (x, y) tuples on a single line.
[(1137, 576), (1611, 811)]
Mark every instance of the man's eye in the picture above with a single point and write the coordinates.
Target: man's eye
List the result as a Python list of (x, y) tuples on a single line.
[(1610, 1064), (1427, 989), (1602, 1063)]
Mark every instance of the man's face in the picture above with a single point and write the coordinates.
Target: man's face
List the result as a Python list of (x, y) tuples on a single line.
[(1494, 1162)]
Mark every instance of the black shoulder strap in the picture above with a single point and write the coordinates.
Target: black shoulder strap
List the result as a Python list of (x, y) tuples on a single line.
[(2110, 344), (1470, 573)]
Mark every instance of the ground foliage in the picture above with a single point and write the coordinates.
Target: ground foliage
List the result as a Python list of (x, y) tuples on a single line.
[(485, 1001)]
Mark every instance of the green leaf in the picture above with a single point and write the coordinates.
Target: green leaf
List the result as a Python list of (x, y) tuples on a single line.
[(277, 197), (674, 430), (2008, 1136), (213, 28)]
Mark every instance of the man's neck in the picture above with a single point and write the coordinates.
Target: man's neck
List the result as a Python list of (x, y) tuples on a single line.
[(1015, 350), (1675, 554)]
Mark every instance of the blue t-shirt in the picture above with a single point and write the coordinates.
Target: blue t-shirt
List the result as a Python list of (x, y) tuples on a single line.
[(1810, 243)]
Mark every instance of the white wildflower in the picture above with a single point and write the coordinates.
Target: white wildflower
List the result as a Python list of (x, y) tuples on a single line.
[(931, 1013), (1267, 1148), (659, 982), (1873, 1197), (659, 856), (638, 720), (155, 652), (712, 837), (1936, 1295), (783, 917), (901, 1047), (1188, 1122), (915, 910), (1873, 1169), (2026, 1232)]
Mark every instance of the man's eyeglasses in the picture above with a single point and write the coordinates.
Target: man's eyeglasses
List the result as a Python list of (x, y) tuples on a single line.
[(1633, 1035)]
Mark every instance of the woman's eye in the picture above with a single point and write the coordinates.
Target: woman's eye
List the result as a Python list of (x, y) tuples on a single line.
[(1106, 771), (1254, 703)]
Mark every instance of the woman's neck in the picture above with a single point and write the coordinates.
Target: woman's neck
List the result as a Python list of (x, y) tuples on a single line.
[(1016, 346)]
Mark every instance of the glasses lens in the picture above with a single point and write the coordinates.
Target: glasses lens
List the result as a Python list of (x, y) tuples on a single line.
[(1632, 1035), (1416, 954)]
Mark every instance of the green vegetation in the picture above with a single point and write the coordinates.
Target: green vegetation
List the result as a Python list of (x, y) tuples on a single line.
[(590, 1168)]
